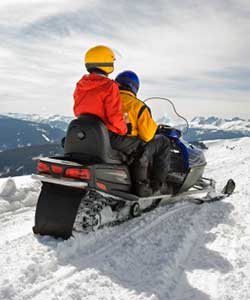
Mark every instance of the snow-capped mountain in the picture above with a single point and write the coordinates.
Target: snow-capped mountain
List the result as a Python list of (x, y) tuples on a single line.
[(212, 128), (200, 128), (234, 124), (17, 133), (56, 121), (183, 251)]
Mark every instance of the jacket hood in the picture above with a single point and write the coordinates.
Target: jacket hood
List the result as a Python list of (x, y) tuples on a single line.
[(92, 81)]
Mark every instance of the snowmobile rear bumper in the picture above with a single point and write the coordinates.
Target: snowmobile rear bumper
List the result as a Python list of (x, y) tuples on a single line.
[(60, 181)]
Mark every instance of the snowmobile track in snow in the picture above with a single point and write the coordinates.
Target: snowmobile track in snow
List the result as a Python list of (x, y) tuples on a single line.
[(135, 232), (113, 243)]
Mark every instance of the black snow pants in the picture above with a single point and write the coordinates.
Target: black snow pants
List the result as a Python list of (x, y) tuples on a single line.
[(147, 161), (129, 145), (154, 161)]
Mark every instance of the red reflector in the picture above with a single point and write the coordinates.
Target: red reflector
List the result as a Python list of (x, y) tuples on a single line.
[(101, 186), (42, 167), (56, 169), (78, 173)]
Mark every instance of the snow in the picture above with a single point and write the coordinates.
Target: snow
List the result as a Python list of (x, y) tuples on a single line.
[(46, 138), (181, 252), (13, 198)]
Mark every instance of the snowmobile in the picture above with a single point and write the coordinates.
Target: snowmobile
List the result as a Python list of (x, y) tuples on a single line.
[(90, 185)]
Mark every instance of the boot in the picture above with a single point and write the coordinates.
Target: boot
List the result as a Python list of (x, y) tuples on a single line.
[(159, 188), (143, 189), (164, 188)]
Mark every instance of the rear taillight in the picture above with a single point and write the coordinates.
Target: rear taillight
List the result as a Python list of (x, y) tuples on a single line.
[(78, 173), (56, 169), (101, 186), (42, 167)]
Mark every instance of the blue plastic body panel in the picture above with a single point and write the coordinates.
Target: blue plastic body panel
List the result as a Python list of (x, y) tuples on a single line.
[(193, 156)]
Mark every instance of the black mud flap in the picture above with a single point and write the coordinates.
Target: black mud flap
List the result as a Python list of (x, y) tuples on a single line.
[(56, 210)]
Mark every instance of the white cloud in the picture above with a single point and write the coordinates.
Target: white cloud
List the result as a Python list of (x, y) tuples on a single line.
[(195, 53), (17, 13)]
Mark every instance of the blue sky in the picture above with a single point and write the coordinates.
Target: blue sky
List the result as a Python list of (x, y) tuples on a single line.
[(193, 52)]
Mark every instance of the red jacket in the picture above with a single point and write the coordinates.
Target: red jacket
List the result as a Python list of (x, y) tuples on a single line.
[(98, 95)]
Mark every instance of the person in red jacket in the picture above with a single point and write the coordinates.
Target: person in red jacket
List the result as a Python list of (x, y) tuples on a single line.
[(98, 95)]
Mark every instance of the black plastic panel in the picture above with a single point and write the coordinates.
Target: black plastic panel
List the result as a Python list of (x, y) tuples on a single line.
[(56, 210)]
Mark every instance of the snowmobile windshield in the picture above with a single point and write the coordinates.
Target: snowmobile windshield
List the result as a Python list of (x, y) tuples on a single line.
[(164, 112)]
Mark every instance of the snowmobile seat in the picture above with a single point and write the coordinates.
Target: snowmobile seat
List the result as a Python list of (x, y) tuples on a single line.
[(87, 141)]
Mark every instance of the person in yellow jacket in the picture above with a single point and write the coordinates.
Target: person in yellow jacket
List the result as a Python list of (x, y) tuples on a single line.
[(156, 152), (141, 123)]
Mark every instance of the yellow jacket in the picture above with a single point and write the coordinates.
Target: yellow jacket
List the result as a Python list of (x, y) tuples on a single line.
[(139, 115)]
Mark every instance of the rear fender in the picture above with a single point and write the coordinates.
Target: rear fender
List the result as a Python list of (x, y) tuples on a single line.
[(56, 210)]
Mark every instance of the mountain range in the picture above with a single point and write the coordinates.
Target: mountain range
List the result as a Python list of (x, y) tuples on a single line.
[(213, 128), (55, 121), (17, 133), (24, 137), (23, 161), (200, 128)]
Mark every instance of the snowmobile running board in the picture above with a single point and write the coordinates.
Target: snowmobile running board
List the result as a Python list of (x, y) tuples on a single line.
[(210, 194)]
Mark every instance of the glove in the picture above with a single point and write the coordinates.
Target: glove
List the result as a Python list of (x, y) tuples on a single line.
[(167, 130)]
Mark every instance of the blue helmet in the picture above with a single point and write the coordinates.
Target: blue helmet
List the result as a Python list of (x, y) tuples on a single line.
[(128, 80)]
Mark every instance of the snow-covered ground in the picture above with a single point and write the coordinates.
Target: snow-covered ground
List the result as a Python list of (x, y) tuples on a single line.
[(179, 253)]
